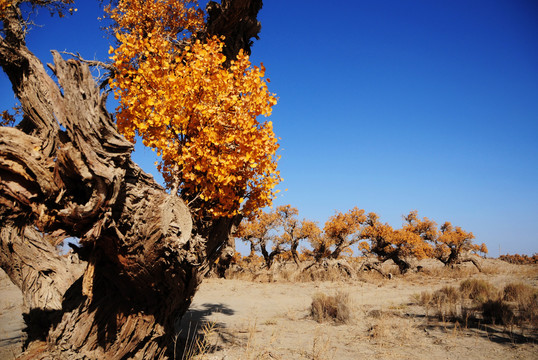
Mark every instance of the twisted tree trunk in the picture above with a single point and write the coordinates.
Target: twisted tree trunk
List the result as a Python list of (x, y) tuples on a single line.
[(457, 256), (66, 171)]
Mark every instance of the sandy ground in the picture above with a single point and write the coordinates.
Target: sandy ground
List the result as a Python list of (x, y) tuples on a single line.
[(254, 320), (11, 323), (271, 321)]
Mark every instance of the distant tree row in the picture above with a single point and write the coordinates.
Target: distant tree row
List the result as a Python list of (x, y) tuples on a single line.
[(520, 259), (279, 232)]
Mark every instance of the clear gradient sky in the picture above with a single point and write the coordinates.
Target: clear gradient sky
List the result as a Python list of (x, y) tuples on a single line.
[(388, 105)]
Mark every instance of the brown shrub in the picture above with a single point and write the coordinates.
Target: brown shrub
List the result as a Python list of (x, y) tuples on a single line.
[(445, 301), (525, 299), (335, 308), (518, 292), (497, 312), (529, 311), (478, 290), (447, 294), (424, 298)]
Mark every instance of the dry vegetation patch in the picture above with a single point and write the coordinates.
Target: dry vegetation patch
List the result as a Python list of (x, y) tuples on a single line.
[(478, 290), (335, 308), (389, 327), (477, 302)]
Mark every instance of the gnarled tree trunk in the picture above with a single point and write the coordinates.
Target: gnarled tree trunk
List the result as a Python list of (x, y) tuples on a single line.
[(457, 256), (66, 171)]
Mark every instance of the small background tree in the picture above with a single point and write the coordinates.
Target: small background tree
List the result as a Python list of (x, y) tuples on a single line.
[(295, 231), (455, 245), (340, 232), (260, 233)]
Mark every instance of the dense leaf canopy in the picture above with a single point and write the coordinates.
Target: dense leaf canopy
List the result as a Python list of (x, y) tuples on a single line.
[(199, 112)]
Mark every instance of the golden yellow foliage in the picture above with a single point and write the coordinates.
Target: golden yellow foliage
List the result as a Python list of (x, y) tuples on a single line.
[(199, 115), (411, 240), (6, 119), (10, 119), (364, 247), (520, 259), (425, 228), (418, 238), (340, 225), (454, 241), (4, 4), (247, 261), (279, 228), (309, 230), (294, 231), (259, 228), (455, 236), (259, 231), (339, 233)]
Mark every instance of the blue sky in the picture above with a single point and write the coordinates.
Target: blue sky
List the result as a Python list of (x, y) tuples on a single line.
[(390, 106)]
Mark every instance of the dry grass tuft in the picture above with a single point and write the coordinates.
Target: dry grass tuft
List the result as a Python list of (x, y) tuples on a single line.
[(321, 347), (387, 327), (524, 299), (519, 292), (423, 299), (197, 344), (447, 294), (445, 301), (335, 308), (478, 290)]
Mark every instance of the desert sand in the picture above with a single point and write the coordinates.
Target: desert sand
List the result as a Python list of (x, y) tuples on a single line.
[(246, 319)]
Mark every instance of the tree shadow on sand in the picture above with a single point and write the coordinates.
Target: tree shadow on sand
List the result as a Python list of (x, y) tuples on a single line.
[(500, 334), (196, 334)]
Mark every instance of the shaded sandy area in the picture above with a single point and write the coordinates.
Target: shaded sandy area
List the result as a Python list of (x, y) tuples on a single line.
[(260, 320), (11, 322)]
